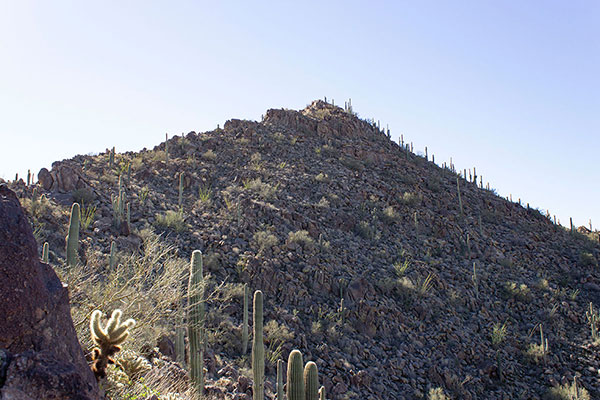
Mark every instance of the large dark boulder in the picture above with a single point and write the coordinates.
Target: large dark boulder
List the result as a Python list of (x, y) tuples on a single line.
[(37, 337)]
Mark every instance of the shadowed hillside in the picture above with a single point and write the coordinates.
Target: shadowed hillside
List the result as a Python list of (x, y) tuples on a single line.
[(390, 273)]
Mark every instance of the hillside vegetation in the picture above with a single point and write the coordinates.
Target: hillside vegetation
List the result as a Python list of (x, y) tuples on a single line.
[(398, 278)]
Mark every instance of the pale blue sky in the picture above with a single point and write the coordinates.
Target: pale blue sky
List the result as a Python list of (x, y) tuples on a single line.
[(510, 87)]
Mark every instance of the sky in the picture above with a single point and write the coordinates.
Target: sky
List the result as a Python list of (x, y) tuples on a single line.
[(510, 87)]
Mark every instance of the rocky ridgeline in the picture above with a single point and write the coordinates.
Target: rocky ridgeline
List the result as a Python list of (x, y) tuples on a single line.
[(388, 280)]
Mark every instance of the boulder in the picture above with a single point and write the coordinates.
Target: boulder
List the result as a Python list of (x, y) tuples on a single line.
[(37, 336)]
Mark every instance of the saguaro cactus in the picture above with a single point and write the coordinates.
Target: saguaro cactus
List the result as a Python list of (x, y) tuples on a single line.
[(311, 381), (45, 253), (295, 379), (196, 313), (111, 158), (180, 202), (279, 379), (72, 239), (166, 147), (459, 199), (258, 349), (245, 322), (322, 393), (112, 258), (592, 317)]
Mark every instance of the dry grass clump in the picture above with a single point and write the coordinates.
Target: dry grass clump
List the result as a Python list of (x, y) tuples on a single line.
[(173, 220), (147, 287), (161, 378)]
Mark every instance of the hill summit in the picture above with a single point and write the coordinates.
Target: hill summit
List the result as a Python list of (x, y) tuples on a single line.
[(399, 278)]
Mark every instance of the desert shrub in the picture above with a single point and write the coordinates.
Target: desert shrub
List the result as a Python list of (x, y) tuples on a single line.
[(352, 163), (517, 291), (365, 230), (321, 177), (328, 151), (265, 240), (436, 394), (303, 238), (568, 391), (389, 215), (212, 261), (323, 203), (433, 183), (83, 196), (262, 189), (409, 199), (37, 209), (173, 220), (587, 259), (209, 155), (535, 353)]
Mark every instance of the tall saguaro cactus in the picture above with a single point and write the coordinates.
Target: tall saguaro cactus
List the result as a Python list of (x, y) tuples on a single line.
[(245, 322), (111, 158), (459, 199), (112, 258), (295, 379), (167, 148), (72, 239), (258, 349), (45, 253), (196, 314), (279, 379), (311, 381), (180, 200)]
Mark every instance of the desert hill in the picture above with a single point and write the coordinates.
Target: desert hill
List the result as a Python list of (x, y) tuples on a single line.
[(396, 276)]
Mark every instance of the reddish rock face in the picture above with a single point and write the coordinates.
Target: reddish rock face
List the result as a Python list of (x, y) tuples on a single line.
[(37, 332)]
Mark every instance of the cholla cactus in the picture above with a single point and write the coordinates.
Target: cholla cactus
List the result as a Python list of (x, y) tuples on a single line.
[(132, 364), (107, 339)]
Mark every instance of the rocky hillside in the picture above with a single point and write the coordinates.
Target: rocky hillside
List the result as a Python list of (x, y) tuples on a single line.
[(392, 275)]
